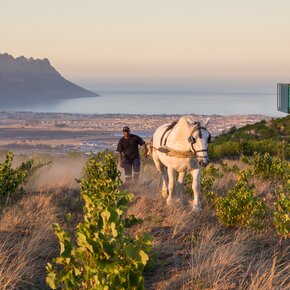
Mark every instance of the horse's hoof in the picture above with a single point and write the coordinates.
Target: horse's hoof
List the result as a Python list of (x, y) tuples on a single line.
[(164, 194), (168, 201), (196, 208), (179, 200)]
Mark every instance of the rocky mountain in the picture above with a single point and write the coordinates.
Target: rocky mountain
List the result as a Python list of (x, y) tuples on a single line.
[(27, 80)]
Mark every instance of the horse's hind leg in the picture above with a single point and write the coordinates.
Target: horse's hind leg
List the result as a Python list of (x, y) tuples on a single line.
[(180, 181), (196, 175), (162, 169), (171, 183)]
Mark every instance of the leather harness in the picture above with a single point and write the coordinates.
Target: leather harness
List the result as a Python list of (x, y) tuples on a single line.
[(171, 152), (169, 128)]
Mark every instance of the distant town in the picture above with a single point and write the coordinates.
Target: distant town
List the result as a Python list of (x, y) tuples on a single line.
[(29, 132)]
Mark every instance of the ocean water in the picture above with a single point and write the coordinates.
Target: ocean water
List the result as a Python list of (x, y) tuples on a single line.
[(165, 102)]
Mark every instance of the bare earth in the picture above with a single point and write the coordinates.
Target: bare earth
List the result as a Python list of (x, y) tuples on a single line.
[(27, 132)]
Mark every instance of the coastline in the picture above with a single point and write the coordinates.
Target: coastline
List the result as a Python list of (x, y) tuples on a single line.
[(59, 133)]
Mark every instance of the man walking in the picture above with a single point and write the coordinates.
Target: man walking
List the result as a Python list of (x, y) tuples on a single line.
[(128, 147)]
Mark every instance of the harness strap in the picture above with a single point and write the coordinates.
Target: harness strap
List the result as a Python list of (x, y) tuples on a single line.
[(175, 153), (170, 127)]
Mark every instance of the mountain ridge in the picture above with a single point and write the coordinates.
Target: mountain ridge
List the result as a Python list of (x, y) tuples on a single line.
[(34, 80)]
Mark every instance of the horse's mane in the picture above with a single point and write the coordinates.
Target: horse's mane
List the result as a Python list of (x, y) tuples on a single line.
[(185, 121), (184, 127)]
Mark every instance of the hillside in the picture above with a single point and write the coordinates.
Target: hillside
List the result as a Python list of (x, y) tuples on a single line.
[(275, 129), (239, 240), (272, 137), (190, 250), (25, 80)]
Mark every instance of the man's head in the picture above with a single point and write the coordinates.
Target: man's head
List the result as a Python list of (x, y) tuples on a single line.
[(126, 131)]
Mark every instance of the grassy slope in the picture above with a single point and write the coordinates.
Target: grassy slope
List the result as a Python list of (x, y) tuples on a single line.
[(272, 136), (191, 250), (194, 251), (272, 130), (27, 242)]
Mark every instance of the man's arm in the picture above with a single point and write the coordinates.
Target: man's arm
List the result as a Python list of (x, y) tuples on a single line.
[(142, 143), (121, 159)]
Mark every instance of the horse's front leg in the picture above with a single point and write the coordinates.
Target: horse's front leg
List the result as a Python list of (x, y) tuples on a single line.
[(180, 181), (196, 175), (171, 180), (163, 170), (164, 177)]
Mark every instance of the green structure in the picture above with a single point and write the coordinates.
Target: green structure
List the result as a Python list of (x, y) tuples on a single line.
[(283, 97)]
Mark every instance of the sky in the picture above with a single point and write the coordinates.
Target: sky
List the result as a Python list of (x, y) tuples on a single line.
[(134, 40)]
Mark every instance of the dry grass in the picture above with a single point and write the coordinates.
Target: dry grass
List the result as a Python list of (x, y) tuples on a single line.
[(27, 242), (191, 250), (25, 239), (194, 251)]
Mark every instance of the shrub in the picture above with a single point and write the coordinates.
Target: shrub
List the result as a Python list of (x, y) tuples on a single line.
[(240, 207), (229, 149), (268, 167), (226, 168), (208, 177), (282, 213), (234, 149), (104, 256), (11, 179)]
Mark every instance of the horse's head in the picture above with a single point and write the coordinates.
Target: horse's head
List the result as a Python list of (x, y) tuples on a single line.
[(199, 140)]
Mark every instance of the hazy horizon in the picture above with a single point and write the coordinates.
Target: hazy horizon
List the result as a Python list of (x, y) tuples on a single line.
[(227, 86)]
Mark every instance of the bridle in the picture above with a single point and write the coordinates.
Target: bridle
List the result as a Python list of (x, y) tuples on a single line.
[(192, 140)]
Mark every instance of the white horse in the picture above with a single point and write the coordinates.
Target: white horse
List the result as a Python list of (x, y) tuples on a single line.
[(181, 147)]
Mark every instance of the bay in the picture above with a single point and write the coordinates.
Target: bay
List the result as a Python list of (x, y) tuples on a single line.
[(164, 102)]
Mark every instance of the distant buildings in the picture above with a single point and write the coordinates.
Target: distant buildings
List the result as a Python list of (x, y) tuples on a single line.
[(283, 97)]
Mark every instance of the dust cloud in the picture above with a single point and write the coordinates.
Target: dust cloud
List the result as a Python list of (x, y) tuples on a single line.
[(61, 173)]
